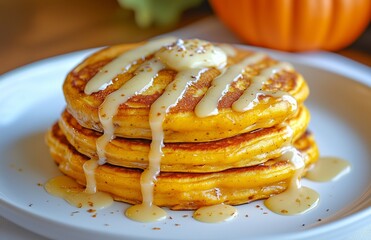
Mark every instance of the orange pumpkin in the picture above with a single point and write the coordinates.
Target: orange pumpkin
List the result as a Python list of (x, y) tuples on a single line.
[(295, 25)]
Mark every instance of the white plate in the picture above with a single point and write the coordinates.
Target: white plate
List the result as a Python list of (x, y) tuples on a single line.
[(31, 100)]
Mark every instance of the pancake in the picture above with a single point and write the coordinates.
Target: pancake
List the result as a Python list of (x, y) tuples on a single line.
[(181, 123), (184, 124), (246, 149), (185, 190)]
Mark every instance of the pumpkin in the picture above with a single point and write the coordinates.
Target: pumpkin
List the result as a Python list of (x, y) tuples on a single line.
[(295, 25)]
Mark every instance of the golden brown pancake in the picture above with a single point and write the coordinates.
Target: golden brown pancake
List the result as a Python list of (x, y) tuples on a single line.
[(246, 149), (185, 190), (181, 124), (230, 150)]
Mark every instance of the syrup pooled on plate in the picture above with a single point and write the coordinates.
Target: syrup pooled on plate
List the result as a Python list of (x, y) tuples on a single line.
[(328, 169), (215, 213), (75, 194), (295, 199)]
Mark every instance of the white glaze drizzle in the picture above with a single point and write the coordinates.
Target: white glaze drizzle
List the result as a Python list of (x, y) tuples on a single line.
[(190, 59), (189, 54), (122, 63), (251, 95), (208, 105), (173, 93), (143, 79), (171, 96), (89, 168)]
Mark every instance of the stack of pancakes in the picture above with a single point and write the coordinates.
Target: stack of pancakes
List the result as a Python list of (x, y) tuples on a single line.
[(231, 157)]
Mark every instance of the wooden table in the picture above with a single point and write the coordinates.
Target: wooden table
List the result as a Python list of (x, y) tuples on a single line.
[(35, 29)]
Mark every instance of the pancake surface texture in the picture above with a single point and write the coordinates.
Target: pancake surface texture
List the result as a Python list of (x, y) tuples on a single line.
[(184, 124), (185, 190), (238, 151), (181, 123)]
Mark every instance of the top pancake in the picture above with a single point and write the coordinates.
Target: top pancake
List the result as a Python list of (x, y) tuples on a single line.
[(181, 123)]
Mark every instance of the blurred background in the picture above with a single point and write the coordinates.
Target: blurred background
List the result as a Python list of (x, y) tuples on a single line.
[(31, 30)]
